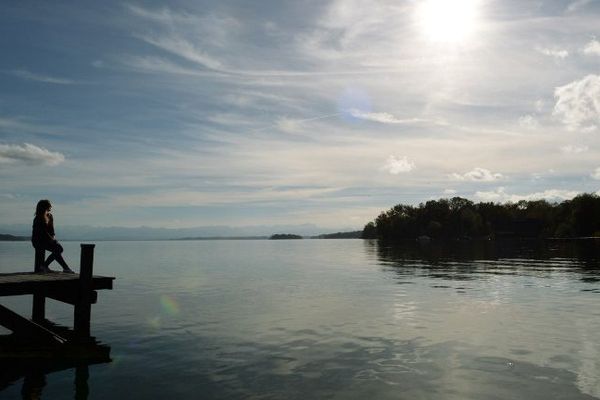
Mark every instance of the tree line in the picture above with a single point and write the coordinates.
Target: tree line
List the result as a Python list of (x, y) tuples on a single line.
[(460, 218)]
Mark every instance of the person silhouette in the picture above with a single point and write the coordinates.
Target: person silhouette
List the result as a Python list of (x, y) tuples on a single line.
[(43, 238)]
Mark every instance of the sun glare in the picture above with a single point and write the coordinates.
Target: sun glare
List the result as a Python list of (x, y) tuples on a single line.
[(450, 21)]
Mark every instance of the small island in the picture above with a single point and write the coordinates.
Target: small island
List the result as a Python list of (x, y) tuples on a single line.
[(284, 236), (12, 238)]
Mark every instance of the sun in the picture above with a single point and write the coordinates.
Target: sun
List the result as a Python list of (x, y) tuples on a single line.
[(449, 21)]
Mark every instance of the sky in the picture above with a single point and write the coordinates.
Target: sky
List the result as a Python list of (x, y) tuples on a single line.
[(195, 113)]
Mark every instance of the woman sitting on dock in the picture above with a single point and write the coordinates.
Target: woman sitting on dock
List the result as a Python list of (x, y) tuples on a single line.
[(42, 237)]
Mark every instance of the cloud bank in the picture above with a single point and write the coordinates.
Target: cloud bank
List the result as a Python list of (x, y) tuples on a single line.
[(500, 195)]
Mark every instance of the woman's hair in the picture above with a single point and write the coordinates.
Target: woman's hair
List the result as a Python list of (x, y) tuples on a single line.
[(42, 206)]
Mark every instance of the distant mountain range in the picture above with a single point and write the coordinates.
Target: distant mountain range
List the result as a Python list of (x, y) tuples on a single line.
[(148, 233)]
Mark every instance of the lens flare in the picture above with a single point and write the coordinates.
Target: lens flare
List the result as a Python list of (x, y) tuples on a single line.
[(169, 305)]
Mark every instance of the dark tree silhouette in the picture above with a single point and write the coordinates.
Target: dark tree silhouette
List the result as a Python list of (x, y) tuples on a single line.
[(460, 218)]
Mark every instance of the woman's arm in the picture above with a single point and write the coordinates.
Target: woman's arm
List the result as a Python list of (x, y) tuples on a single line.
[(50, 228)]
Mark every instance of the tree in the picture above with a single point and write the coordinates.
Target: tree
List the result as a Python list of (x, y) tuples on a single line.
[(459, 218)]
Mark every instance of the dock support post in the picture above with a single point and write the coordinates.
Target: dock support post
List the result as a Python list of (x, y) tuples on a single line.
[(38, 312), (83, 307)]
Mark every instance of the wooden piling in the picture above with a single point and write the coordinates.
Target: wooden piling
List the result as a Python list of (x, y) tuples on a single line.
[(83, 307), (38, 310)]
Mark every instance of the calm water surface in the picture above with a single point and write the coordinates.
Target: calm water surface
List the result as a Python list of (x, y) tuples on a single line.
[(335, 319)]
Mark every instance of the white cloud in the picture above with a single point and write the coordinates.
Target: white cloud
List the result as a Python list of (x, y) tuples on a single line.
[(28, 154), (497, 195), (163, 15), (184, 49), (578, 103), (478, 175), (449, 192), (398, 165), (160, 65), (556, 53), (288, 125), (30, 76), (500, 195), (596, 173), (528, 122), (293, 125), (574, 149), (382, 117), (539, 105), (592, 48)]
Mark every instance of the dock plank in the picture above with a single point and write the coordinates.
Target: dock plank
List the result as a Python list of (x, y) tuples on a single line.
[(20, 283)]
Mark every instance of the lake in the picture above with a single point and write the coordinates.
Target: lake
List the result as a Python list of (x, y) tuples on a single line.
[(335, 319)]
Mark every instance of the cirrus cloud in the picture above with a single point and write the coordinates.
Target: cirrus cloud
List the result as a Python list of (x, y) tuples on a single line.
[(381, 117), (29, 154), (27, 75)]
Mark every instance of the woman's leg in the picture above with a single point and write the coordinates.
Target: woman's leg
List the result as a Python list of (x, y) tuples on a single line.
[(56, 250)]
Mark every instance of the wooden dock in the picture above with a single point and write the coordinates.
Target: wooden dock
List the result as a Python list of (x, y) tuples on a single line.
[(78, 290)]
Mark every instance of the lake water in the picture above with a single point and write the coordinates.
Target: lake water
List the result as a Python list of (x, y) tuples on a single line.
[(335, 319)]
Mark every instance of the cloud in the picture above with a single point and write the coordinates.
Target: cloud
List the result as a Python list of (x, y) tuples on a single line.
[(29, 154), (574, 149), (185, 49), (211, 28), (556, 53), (578, 103), (398, 165), (159, 65), (381, 117), (539, 105), (288, 125), (30, 76), (293, 125), (163, 15), (596, 173), (477, 175), (500, 195), (528, 122), (578, 4), (592, 48), (449, 192)]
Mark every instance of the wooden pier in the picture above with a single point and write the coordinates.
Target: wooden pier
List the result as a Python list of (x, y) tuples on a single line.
[(78, 290)]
